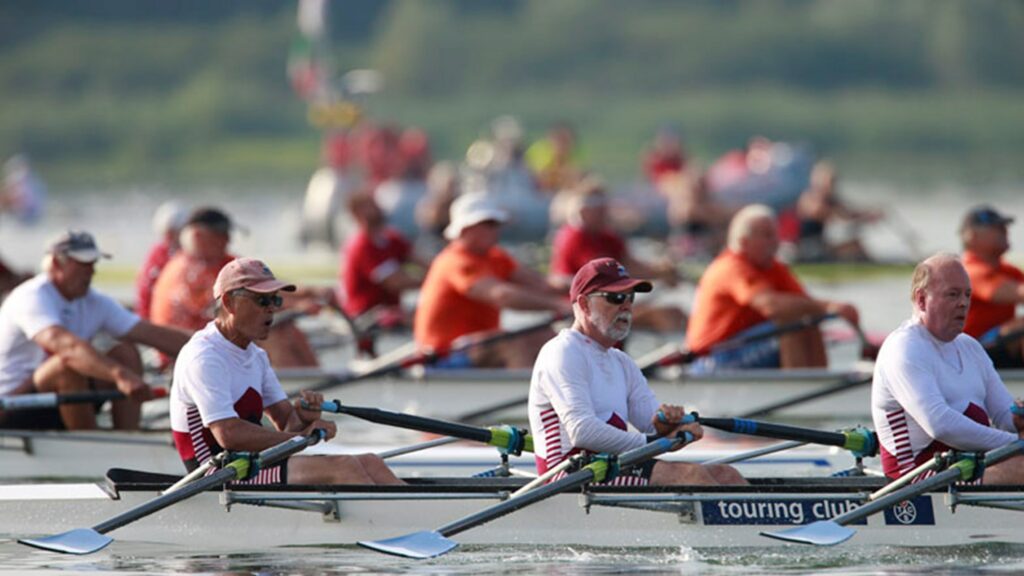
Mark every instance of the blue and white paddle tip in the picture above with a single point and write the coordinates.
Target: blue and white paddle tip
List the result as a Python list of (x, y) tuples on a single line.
[(78, 541), (418, 545), (1017, 409), (820, 533)]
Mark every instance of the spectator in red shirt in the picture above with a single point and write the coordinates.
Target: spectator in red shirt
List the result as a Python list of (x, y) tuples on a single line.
[(373, 272), (587, 235), (168, 220), (665, 157)]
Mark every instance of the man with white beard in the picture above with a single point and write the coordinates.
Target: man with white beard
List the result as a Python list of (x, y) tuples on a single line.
[(584, 390)]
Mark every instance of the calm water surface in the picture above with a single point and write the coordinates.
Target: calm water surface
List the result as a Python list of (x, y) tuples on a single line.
[(847, 560)]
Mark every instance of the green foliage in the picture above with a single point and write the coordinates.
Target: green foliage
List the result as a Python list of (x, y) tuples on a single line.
[(115, 90)]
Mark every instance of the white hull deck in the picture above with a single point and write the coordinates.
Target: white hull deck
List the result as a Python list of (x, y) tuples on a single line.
[(246, 519), (87, 455)]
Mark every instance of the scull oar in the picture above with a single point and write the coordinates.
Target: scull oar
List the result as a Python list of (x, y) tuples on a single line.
[(859, 441), (427, 544), (682, 356), (431, 356), (836, 531), (89, 540), (53, 399), (512, 440)]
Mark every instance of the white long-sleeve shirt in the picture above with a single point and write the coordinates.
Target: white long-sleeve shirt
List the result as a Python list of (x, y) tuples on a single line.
[(927, 391), (582, 395)]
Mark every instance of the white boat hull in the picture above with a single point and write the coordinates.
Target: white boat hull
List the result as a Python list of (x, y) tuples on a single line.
[(687, 518)]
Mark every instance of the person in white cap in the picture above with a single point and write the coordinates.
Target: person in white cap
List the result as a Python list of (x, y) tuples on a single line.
[(46, 325), (224, 385), (470, 282)]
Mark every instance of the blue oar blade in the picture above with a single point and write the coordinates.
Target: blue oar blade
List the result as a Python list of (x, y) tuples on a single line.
[(77, 541), (419, 545), (820, 533)]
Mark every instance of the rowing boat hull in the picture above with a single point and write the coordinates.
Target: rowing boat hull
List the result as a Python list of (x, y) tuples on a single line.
[(675, 518), (87, 455)]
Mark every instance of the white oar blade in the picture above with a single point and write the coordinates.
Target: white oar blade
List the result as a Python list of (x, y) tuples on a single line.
[(419, 545), (78, 541), (820, 533)]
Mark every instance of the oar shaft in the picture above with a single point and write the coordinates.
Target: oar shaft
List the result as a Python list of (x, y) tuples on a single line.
[(52, 399), (569, 482), (427, 357), (146, 508), (410, 421), (942, 479), (755, 453), (268, 457), (779, 330), (683, 355), (778, 431), (846, 384)]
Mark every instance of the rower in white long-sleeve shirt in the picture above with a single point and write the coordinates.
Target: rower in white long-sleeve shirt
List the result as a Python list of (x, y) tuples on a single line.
[(584, 392), (934, 387)]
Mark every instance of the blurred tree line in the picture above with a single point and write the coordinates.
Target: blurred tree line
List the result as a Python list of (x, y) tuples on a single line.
[(128, 90)]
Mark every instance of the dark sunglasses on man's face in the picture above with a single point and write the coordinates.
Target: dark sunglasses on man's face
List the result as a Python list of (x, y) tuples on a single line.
[(264, 300), (616, 298)]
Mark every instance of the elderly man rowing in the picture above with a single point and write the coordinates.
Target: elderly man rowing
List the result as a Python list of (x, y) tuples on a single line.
[(934, 387), (47, 330), (746, 291), (584, 391), (223, 385), (997, 286)]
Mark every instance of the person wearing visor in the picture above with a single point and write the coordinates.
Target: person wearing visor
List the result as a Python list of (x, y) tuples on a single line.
[(468, 285), (47, 325), (224, 386), (584, 392), (997, 286)]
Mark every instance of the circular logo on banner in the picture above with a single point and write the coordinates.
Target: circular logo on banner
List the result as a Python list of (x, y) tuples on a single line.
[(905, 512)]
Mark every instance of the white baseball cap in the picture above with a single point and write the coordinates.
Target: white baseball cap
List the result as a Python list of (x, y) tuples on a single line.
[(472, 208)]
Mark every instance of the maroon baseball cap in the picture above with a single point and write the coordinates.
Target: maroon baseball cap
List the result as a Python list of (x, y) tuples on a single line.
[(605, 274), (248, 273)]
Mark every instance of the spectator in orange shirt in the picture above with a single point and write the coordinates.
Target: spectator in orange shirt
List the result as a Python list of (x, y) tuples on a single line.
[(997, 287), (468, 285), (746, 290), (182, 293)]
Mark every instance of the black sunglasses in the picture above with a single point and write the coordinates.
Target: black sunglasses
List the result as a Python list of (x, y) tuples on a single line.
[(616, 298), (263, 300)]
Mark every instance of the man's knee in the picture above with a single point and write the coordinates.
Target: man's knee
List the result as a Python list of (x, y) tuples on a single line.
[(128, 355), (55, 375)]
